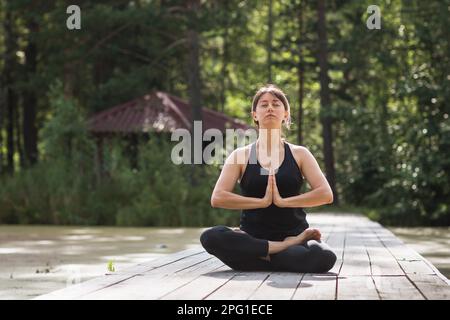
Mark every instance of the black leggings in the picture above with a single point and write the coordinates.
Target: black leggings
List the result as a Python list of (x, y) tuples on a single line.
[(241, 251)]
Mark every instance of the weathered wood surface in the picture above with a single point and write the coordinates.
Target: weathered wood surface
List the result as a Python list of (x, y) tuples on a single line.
[(372, 264)]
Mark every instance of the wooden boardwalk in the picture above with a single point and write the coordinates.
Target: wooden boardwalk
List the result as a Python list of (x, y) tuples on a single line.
[(372, 264)]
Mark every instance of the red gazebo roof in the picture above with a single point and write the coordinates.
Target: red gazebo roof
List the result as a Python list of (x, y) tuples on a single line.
[(157, 112)]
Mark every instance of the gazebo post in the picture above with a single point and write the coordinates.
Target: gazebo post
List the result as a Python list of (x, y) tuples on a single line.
[(132, 142), (99, 161)]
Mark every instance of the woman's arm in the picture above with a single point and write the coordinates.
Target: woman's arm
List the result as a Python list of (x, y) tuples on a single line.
[(321, 192), (222, 195)]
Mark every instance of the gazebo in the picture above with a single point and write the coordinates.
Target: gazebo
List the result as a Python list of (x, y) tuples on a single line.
[(157, 112)]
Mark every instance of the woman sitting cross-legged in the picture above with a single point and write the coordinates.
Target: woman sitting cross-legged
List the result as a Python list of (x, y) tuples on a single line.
[(274, 233)]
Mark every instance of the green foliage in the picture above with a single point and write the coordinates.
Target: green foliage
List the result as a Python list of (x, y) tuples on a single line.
[(165, 196), (65, 132), (57, 189), (63, 187), (389, 90), (392, 116), (156, 194)]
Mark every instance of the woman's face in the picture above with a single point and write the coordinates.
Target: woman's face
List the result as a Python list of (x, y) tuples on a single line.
[(269, 111)]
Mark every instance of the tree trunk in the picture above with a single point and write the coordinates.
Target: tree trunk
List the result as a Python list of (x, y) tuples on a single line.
[(269, 43), (11, 103), (3, 93), (18, 137), (194, 75), (99, 159), (30, 99), (224, 73), (2, 104), (68, 80), (325, 100), (11, 96), (301, 76), (194, 81)]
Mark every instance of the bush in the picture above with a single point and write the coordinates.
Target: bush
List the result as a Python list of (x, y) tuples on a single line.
[(166, 196)]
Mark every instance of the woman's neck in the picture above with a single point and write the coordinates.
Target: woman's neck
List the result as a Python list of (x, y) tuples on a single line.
[(270, 140)]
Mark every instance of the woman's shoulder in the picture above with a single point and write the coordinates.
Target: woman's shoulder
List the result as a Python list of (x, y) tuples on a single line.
[(240, 155), (298, 149), (299, 152), (244, 151)]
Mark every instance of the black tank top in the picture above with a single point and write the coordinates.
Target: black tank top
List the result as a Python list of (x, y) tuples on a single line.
[(272, 223)]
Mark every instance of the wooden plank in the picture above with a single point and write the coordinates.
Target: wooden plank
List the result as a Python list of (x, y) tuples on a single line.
[(436, 271), (416, 267), (240, 287), (278, 286), (202, 286), (431, 286), (162, 287), (157, 263), (336, 241), (144, 285), (396, 288), (316, 287), (324, 219), (382, 262), (93, 285), (355, 260), (356, 288), (410, 261), (397, 248), (78, 290)]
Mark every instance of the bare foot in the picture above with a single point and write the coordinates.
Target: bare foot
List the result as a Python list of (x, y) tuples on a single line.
[(308, 234)]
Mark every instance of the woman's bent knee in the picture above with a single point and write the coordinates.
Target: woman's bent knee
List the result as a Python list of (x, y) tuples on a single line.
[(211, 238), (323, 256), (328, 260)]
